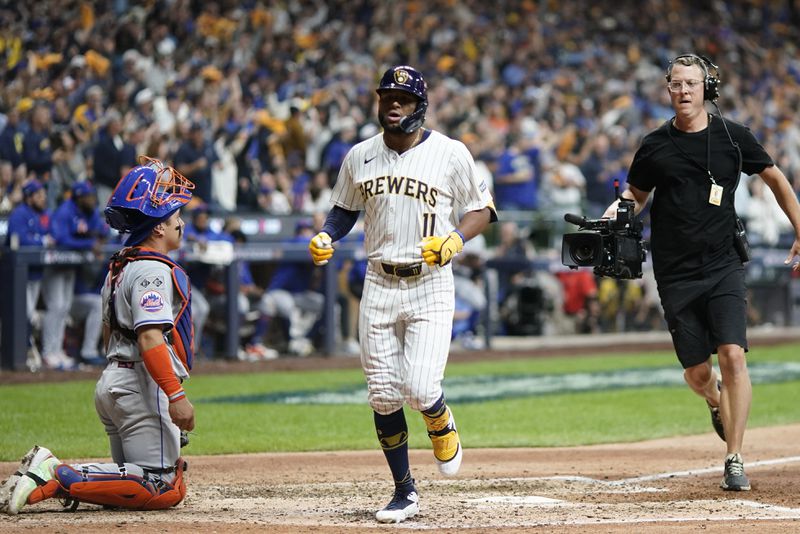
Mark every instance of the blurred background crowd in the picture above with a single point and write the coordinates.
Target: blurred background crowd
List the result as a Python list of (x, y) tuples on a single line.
[(257, 102)]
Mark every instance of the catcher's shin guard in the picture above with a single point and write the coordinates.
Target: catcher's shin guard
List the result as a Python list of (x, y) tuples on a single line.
[(121, 490)]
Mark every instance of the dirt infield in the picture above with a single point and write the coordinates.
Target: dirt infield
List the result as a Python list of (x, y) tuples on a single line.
[(653, 486), (665, 485)]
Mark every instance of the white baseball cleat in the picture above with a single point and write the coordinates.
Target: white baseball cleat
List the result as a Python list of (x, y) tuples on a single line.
[(402, 506), (10, 483), (40, 470)]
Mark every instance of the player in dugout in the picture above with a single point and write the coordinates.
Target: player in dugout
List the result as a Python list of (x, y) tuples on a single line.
[(147, 335)]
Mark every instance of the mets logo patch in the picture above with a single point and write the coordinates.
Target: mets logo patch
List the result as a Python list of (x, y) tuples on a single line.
[(152, 301)]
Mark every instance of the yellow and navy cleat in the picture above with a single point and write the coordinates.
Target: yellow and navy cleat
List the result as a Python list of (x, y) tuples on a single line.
[(447, 450)]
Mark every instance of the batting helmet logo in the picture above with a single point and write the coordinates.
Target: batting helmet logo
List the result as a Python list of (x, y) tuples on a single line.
[(401, 77)]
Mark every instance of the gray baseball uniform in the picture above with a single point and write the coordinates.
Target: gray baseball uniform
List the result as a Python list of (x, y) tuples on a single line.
[(132, 407)]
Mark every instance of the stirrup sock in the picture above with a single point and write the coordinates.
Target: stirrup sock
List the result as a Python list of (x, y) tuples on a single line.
[(393, 436)]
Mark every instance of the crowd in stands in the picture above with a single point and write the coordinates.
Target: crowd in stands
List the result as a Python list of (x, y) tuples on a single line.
[(257, 103)]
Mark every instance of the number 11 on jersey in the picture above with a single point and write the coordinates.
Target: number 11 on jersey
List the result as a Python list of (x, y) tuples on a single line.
[(428, 224)]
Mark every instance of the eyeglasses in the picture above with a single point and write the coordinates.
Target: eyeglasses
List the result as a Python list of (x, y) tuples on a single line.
[(676, 86)]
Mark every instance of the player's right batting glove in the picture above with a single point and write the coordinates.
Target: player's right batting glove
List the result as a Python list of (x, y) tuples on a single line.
[(439, 250), (321, 248)]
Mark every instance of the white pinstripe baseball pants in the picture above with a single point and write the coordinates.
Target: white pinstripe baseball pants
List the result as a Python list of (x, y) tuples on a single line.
[(405, 326)]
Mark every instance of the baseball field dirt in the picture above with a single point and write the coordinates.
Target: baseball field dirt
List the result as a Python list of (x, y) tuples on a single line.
[(664, 485)]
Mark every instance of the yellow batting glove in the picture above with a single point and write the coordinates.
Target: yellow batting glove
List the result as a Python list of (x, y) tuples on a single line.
[(321, 248), (439, 250)]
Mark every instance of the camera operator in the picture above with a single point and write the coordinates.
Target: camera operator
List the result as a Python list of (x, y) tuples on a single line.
[(693, 162)]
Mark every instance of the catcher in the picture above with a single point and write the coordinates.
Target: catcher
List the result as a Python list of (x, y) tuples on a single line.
[(147, 335)]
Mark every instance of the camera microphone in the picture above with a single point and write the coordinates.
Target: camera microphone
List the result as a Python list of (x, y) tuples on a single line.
[(574, 219)]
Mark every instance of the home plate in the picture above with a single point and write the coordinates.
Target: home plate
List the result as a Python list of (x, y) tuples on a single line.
[(525, 499)]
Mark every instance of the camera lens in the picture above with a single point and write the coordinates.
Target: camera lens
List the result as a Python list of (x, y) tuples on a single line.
[(581, 249), (584, 253)]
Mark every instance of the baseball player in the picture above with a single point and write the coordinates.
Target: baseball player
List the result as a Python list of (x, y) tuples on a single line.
[(29, 225), (147, 334), (76, 225), (411, 183)]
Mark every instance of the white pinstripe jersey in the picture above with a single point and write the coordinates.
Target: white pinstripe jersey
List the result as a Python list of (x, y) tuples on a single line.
[(408, 196)]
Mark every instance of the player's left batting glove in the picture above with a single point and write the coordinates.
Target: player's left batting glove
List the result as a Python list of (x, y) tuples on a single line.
[(439, 250), (321, 248)]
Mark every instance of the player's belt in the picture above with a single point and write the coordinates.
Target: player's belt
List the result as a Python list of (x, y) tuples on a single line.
[(116, 364), (403, 271)]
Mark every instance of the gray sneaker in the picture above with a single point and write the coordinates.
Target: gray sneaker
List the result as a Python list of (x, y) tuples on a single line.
[(734, 479)]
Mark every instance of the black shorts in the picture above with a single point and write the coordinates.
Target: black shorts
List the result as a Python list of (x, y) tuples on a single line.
[(704, 314)]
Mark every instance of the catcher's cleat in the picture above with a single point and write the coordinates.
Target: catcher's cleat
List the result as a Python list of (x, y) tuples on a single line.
[(447, 449), (39, 472), (716, 418), (404, 504), (10, 483), (734, 478)]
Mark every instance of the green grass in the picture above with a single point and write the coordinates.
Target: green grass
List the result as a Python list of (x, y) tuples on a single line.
[(61, 416)]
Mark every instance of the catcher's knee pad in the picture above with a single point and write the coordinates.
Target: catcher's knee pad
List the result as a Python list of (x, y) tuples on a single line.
[(122, 490)]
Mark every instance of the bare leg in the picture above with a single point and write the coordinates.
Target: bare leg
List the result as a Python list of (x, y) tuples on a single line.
[(737, 394), (703, 380)]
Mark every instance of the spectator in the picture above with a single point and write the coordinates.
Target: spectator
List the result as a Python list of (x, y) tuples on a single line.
[(194, 160), (515, 185), (37, 150), (271, 199), (10, 188), (112, 156), (12, 135)]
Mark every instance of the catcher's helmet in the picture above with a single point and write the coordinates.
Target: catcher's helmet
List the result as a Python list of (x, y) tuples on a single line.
[(147, 195), (410, 80)]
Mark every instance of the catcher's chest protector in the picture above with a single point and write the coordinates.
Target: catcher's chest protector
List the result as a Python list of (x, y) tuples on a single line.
[(182, 334)]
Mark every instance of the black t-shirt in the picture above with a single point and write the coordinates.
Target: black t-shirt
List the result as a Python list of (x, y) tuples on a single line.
[(691, 238)]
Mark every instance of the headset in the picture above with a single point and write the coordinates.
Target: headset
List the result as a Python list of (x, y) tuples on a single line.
[(710, 82)]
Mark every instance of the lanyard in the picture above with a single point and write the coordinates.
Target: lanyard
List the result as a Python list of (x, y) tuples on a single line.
[(707, 168)]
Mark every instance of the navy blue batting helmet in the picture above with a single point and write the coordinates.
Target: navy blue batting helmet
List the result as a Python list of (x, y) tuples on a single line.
[(144, 197), (410, 80)]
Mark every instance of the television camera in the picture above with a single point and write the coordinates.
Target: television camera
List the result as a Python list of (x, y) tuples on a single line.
[(614, 247)]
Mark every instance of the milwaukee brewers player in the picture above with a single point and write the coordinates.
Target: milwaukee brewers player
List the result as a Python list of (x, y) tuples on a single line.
[(148, 340), (411, 183)]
